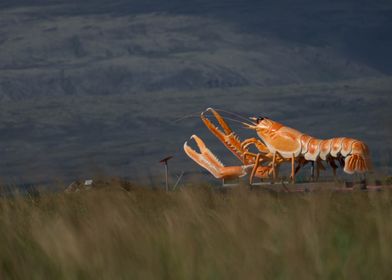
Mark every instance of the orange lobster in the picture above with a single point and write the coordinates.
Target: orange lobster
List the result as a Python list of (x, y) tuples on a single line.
[(277, 144)]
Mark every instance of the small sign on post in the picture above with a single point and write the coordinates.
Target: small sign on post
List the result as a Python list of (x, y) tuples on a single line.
[(165, 161)]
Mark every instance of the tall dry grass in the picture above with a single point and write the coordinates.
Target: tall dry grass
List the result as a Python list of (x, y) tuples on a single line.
[(196, 233)]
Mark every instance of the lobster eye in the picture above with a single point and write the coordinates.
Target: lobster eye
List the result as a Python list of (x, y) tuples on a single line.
[(259, 119)]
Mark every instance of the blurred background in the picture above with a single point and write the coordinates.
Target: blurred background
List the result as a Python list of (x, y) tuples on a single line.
[(101, 87)]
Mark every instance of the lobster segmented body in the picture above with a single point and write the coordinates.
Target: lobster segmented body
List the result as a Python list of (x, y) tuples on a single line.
[(290, 143), (354, 152)]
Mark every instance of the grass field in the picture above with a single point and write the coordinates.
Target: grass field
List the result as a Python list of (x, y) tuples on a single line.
[(196, 233)]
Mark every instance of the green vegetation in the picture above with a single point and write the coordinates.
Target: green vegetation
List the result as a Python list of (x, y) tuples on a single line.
[(196, 233)]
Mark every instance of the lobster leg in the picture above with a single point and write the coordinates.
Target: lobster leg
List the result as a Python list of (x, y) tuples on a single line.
[(259, 170), (249, 157), (274, 166), (259, 145), (256, 165), (319, 166), (301, 162), (332, 163), (293, 168)]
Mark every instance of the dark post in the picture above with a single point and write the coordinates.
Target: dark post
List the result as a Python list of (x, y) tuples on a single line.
[(312, 171), (165, 161)]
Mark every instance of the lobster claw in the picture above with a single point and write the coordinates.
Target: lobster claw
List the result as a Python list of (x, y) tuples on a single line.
[(210, 162), (227, 136), (220, 120)]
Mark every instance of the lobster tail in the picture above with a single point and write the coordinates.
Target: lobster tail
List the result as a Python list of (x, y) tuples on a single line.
[(356, 163), (358, 160)]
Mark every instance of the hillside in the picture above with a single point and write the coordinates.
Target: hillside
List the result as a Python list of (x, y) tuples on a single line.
[(97, 87), (105, 55), (126, 135)]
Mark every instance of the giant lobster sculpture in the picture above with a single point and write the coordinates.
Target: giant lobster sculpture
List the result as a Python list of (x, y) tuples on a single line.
[(276, 145)]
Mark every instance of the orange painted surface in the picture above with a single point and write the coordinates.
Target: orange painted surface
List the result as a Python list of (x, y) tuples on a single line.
[(304, 142), (284, 142), (336, 145), (313, 146), (325, 146), (346, 144)]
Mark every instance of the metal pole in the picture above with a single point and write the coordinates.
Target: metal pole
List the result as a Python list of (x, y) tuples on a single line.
[(167, 176), (164, 161)]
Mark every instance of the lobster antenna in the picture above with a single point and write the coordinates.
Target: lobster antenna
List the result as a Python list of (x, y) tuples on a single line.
[(191, 115), (234, 120), (232, 113), (197, 115)]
